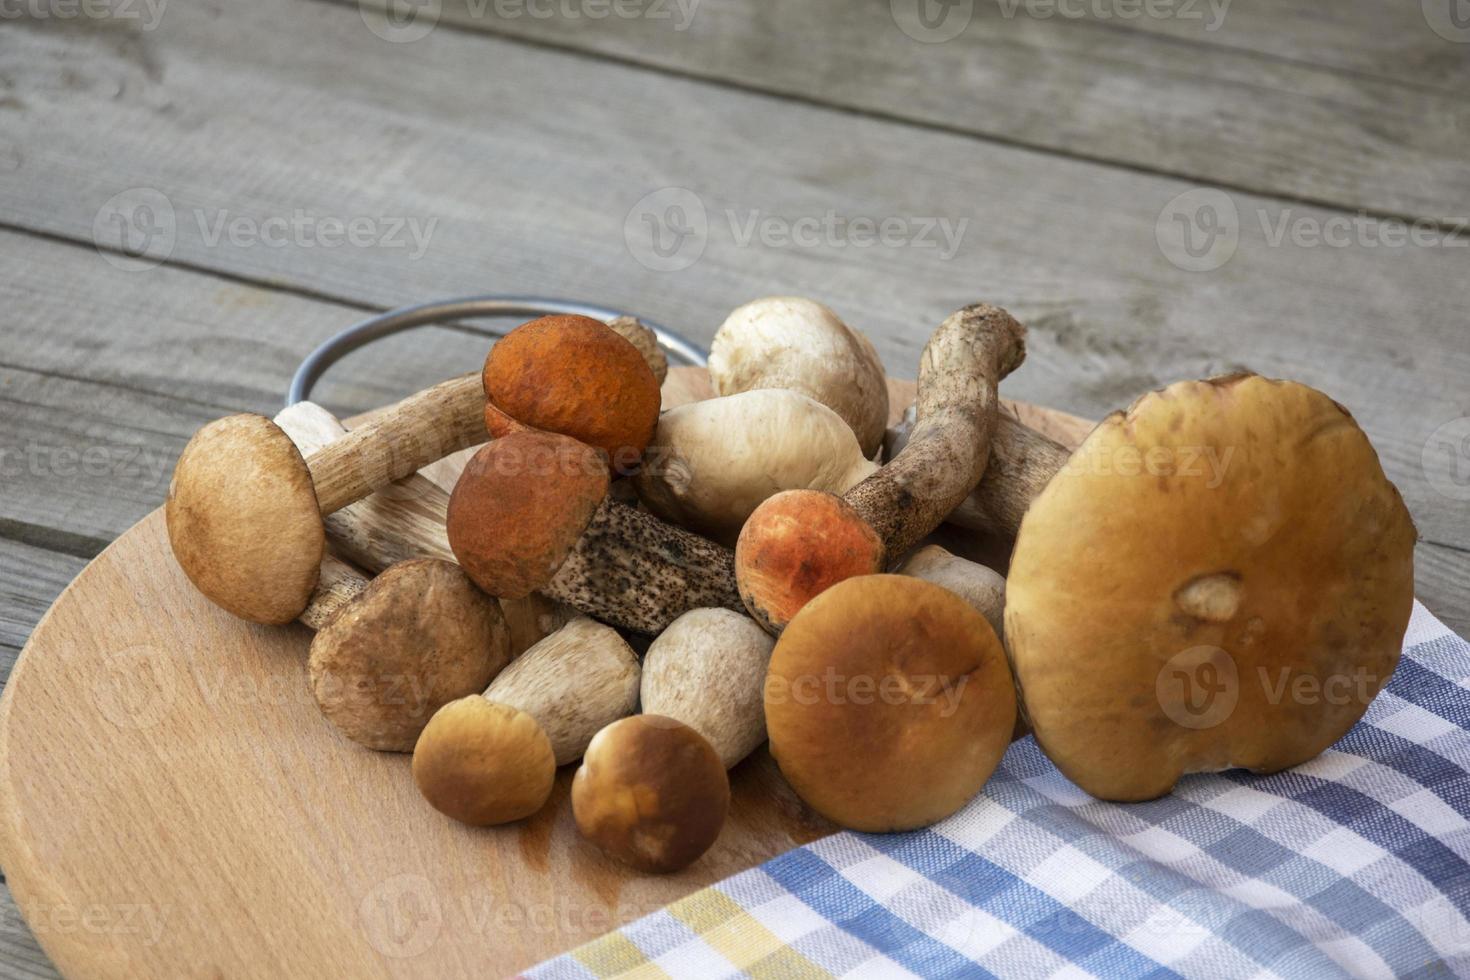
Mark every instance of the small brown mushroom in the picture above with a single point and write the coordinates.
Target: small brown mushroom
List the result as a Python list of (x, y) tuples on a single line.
[(575, 683), (910, 496), (245, 509), (708, 670), (652, 793), (484, 763), (889, 703), (1219, 577)]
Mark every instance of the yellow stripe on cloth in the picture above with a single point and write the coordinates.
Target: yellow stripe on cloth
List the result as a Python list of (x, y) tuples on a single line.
[(615, 955), (739, 937)]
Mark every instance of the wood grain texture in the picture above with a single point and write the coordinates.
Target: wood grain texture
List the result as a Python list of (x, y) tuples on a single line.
[(1066, 80), (1069, 247)]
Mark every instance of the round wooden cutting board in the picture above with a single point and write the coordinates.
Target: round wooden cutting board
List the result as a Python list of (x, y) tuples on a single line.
[(172, 803)]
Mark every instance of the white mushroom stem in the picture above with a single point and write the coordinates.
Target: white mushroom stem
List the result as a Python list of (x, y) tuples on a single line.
[(574, 682), (406, 520), (983, 588), (708, 670), (339, 585), (712, 462)]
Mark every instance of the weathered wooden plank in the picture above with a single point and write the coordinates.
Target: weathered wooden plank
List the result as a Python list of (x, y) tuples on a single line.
[(1219, 93), (382, 130), (21, 956), (30, 580)]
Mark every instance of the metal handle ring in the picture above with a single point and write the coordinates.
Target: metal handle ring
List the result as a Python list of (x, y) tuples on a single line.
[(425, 314)]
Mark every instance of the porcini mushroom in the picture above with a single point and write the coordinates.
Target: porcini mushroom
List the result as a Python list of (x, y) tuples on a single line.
[(708, 670), (904, 500), (651, 793), (577, 377), (575, 683), (1203, 559), (712, 462), (245, 509), (888, 703), (789, 342), (484, 763)]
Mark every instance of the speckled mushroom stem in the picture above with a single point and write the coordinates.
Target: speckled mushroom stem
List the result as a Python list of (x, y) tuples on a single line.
[(632, 569), (339, 585), (950, 443), (399, 442)]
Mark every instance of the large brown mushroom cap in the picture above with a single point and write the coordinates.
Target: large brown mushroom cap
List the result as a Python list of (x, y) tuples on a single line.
[(519, 507), (484, 763), (1221, 577), (420, 636), (243, 519), (796, 545), (651, 792), (889, 703), (575, 376)]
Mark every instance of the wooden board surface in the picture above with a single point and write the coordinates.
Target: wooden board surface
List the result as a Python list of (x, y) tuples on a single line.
[(164, 770)]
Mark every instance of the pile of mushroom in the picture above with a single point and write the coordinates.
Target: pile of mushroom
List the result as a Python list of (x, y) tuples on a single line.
[(1196, 556)]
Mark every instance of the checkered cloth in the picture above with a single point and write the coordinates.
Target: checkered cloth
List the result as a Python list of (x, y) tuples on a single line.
[(1354, 864)]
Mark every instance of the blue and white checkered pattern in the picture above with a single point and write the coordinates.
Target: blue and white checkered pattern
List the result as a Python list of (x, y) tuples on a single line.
[(1355, 864)]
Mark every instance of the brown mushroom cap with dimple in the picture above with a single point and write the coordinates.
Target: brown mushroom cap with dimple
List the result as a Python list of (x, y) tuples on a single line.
[(888, 703), (243, 519), (1221, 577), (652, 793), (519, 507), (483, 763), (420, 636), (796, 545), (575, 376)]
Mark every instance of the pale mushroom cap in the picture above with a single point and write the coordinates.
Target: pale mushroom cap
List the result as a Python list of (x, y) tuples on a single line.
[(652, 793), (889, 703), (790, 342), (708, 670), (420, 636), (243, 519), (1221, 577), (711, 463), (483, 763)]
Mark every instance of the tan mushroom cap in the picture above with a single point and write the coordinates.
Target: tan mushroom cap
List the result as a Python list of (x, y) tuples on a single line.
[(484, 763), (420, 636), (1221, 577), (888, 703), (243, 519), (652, 793)]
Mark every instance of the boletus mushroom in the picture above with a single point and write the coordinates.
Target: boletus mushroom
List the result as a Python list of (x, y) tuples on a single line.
[(795, 343), (245, 509), (1219, 577), (778, 568), (484, 763), (651, 792), (888, 703)]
